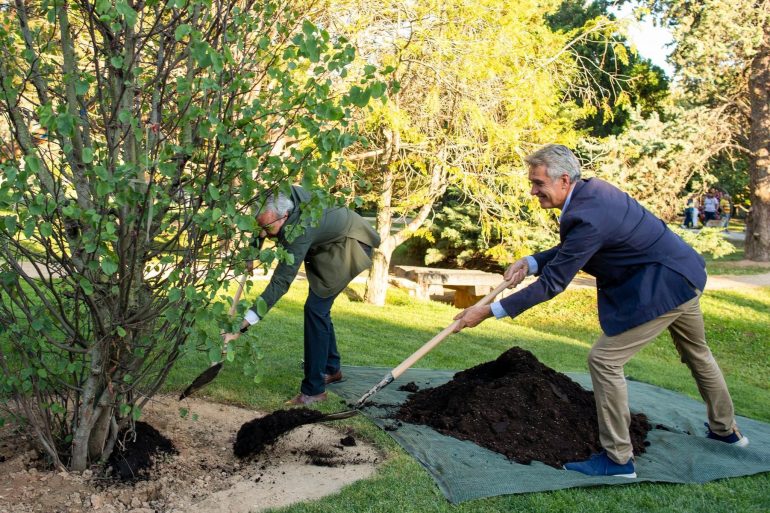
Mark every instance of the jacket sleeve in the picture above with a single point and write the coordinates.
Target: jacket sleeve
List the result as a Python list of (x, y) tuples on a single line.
[(284, 273), (544, 257), (562, 263)]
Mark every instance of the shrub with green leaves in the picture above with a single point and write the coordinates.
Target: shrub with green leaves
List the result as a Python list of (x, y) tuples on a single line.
[(143, 136)]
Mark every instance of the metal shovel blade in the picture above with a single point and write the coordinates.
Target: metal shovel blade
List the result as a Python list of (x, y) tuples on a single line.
[(338, 416), (202, 380)]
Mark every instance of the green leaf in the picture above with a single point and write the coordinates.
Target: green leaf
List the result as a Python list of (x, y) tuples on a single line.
[(127, 12), (261, 307), (213, 192), (246, 223), (377, 89), (200, 52), (81, 88), (9, 278), (124, 409), (117, 61), (359, 97), (182, 31), (125, 116), (174, 295), (46, 229), (327, 110), (121, 332), (88, 155), (86, 285), (42, 373), (32, 163), (136, 412), (183, 412), (10, 223), (103, 188), (109, 266)]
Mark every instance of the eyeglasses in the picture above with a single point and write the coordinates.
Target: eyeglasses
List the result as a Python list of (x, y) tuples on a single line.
[(268, 225)]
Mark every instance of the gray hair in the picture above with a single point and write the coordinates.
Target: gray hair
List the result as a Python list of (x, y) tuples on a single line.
[(278, 203), (557, 159)]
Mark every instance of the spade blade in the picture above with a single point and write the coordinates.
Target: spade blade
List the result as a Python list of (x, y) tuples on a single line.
[(202, 380)]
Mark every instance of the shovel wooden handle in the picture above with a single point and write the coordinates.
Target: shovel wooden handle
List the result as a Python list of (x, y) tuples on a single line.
[(430, 344), (234, 306), (237, 296)]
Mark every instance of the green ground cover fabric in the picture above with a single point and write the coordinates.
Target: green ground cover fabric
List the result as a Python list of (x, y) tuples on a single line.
[(680, 453)]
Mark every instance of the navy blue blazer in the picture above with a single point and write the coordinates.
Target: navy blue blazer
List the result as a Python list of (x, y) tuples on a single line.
[(642, 268)]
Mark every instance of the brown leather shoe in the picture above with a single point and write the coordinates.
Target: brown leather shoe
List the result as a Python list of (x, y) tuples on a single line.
[(333, 378), (304, 400)]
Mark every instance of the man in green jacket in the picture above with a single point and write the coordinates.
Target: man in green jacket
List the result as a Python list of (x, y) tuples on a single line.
[(334, 251)]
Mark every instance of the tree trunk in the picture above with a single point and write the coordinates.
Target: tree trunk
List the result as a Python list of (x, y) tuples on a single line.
[(99, 432), (758, 223), (377, 283)]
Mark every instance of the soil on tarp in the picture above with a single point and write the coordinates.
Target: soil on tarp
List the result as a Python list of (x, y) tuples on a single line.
[(518, 407), (136, 451), (258, 433)]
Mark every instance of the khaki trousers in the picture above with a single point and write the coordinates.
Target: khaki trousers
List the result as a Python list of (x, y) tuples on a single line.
[(609, 354)]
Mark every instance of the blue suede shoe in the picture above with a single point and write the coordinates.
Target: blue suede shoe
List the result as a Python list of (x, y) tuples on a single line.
[(735, 438), (601, 465)]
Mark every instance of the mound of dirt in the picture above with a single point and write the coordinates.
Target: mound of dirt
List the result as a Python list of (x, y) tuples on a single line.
[(518, 407), (136, 451)]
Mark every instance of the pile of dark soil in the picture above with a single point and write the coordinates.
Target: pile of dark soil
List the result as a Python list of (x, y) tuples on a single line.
[(258, 433), (133, 456), (518, 407)]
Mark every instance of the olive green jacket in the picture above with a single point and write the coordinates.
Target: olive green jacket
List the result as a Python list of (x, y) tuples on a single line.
[(330, 250)]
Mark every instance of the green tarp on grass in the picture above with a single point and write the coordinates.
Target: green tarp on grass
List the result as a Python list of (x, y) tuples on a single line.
[(680, 453)]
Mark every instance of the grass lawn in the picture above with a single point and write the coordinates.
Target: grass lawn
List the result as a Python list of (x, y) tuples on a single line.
[(734, 263), (559, 333)]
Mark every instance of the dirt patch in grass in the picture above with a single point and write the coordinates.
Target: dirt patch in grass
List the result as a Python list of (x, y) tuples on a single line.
[(204, 476), (518, 407)]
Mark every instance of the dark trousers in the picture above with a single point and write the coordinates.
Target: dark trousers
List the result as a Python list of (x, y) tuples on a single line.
[(321, 356)]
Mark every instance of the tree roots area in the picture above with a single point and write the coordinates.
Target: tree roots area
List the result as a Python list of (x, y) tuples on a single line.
[(187, 465), (221, 459)]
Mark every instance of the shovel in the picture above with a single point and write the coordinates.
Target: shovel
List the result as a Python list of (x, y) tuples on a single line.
[(256, 434), (403, 366), (209, 374)]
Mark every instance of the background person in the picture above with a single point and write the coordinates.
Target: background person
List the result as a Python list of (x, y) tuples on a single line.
[(647, 280), (690, 213), (334, 252), (710, 207), (725, 210)]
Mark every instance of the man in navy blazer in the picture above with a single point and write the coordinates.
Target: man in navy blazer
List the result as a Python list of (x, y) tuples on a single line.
[(647, 280)]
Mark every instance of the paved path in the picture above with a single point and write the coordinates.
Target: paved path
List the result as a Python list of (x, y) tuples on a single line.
[(716, 282)]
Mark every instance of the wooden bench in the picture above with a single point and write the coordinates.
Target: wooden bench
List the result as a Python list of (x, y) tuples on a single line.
[(469, 285)]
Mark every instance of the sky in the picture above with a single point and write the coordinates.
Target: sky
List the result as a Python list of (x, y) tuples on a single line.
[(650, 41)]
